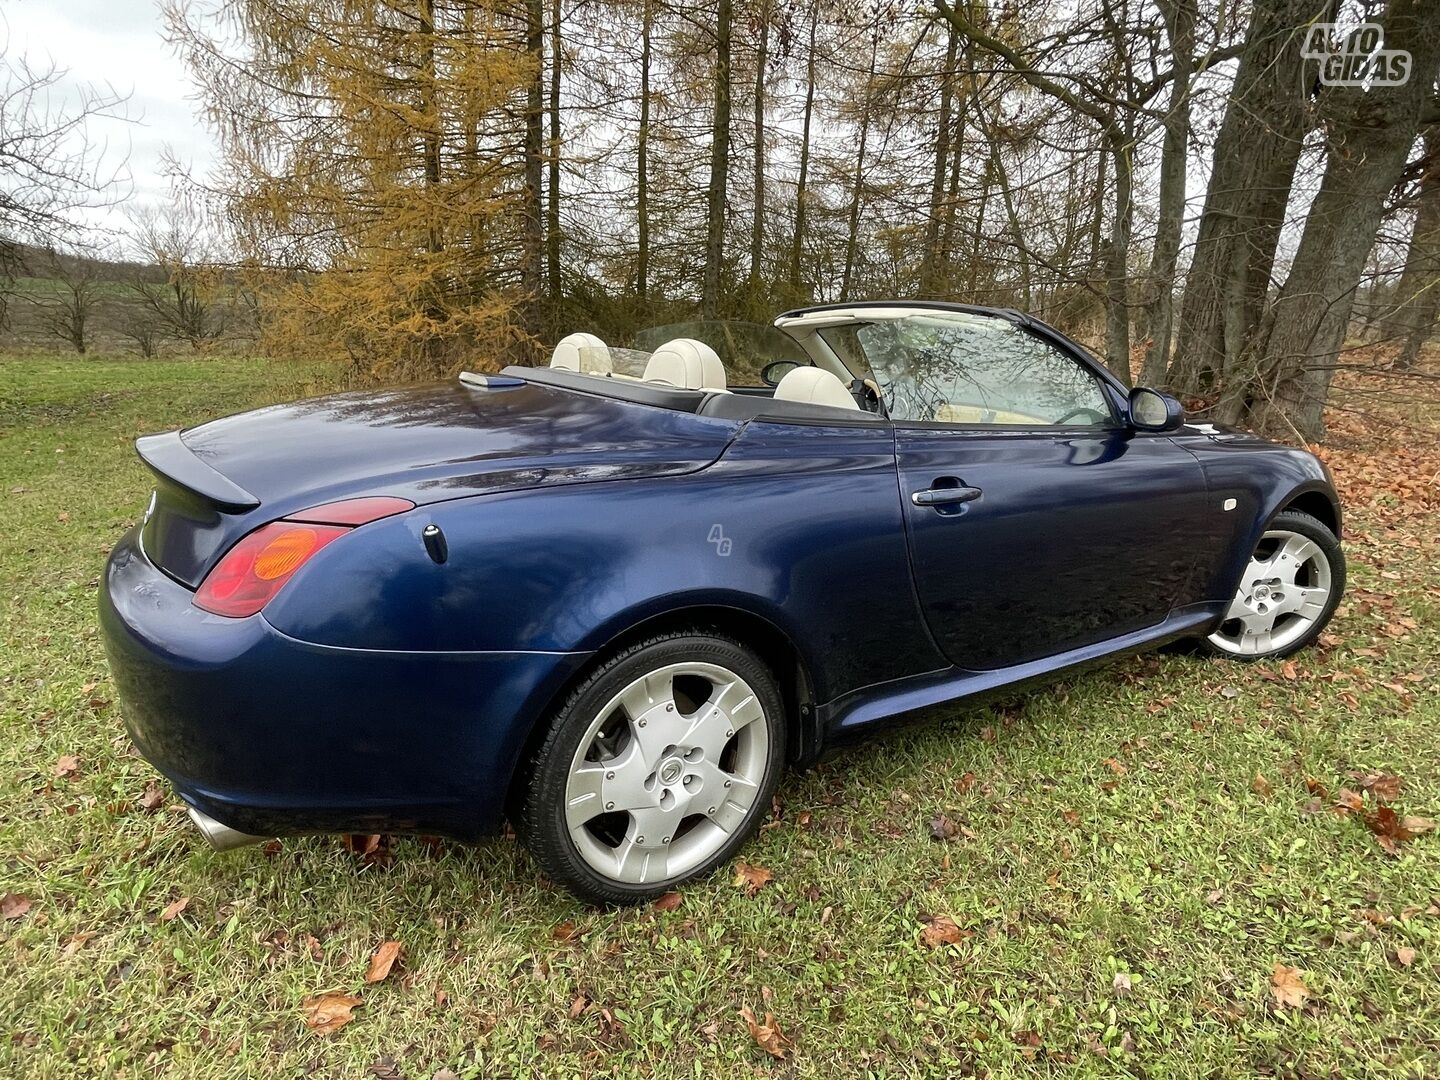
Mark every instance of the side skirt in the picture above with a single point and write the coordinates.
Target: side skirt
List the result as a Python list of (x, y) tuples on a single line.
[(853, 714)]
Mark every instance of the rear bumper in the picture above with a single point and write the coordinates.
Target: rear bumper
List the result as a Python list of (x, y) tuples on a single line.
[(270, 735)]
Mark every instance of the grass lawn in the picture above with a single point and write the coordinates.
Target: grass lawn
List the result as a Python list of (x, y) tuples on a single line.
[(1135, 850)]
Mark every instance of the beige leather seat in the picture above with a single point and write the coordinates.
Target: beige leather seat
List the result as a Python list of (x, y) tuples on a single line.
[(584, 353), (815, 386), (686, 364)]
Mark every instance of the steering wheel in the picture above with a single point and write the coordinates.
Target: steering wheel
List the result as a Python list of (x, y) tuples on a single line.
[(1096, 416), (866, 393)]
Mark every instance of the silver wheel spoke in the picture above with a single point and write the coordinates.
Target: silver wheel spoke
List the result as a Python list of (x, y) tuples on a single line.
[(583, 799), (710, 730), (638, 863), (1306, 603), (1291, 555), (729, 795)]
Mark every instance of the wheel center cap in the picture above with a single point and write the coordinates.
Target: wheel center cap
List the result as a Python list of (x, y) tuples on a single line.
[(1262, 592), (670, 771)]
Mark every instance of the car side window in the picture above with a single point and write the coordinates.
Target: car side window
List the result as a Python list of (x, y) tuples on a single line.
[(979, 370)]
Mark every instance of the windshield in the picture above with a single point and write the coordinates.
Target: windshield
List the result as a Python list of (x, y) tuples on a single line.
[(963, 368)]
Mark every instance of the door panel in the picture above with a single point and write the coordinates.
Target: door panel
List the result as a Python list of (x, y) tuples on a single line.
[(1076, 536)]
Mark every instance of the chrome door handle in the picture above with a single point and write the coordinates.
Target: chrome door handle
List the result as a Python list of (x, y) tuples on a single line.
[(944, 496)]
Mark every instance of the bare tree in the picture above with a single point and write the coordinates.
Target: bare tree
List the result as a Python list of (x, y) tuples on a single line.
[(188, 302), (66, 308), (50, 168)]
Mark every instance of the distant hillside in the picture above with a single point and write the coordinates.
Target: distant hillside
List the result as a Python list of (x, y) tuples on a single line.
[(127, 307)]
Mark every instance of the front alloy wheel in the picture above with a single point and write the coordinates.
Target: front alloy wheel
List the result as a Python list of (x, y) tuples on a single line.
[(1287, 593), (658, 767)]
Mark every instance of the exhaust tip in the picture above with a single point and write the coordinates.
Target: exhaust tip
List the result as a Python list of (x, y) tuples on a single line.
[(220, 837)]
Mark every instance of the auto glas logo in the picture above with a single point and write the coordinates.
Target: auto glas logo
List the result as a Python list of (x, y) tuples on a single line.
[(1356, 56)]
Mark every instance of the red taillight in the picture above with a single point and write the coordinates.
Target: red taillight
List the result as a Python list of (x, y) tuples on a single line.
[(354, 511), (257, 568)]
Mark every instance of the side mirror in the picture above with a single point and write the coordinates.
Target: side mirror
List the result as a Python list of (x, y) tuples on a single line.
[(776, 370), (1151, 410)]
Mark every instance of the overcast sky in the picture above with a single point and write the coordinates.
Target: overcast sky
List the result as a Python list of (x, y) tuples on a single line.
[(117, 42)]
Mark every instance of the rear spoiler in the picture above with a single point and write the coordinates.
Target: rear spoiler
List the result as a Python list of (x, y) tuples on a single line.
[(169, 457)]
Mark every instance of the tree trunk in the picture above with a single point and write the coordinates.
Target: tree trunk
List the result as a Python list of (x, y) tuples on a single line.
[(797, 239), (719, 165), (1254, 165), (642, 163), (1369, 135), (930, 264), (852, 239), (1117, 254), (552, 194), (757, 227), (531, 276), (977, 235), (1156, 314), (1012, 216), (1418, 294), (952, 193)]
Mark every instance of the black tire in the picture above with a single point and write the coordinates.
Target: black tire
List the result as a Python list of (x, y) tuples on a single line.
[(539, 817), (1315, 530)]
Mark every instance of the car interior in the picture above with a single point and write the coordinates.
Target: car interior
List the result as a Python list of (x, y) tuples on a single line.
[(687, 374), (952, 367)]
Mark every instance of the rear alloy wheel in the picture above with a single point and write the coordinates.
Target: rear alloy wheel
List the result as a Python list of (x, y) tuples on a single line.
[(658, 768), (1287, 593)]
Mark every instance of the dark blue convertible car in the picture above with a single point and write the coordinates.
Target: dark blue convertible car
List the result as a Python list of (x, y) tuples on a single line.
[(611, 599)]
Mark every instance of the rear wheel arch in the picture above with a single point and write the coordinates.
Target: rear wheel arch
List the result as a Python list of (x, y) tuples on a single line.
[(768, 641)]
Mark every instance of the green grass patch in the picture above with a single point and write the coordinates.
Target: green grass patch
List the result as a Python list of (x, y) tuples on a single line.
[(1123, 890)]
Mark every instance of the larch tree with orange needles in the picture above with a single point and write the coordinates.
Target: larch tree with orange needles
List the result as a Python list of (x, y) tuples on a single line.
[(373, 159)]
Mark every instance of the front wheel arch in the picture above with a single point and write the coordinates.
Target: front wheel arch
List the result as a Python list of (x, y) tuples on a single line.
[(1318, 504)]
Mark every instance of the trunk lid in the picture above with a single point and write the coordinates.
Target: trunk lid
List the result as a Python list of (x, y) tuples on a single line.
[(429, 443)]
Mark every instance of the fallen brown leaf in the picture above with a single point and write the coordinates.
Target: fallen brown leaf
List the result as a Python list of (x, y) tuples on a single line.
[(75, 942), (579, 1005), (326, 1014), (667, 901), (1347, 800), (565, 931), (153, 797), (14, 906), (1071, 817), (1405, 956), (382, 961), (942, 828), (1119, 768), (965, 783), (1285, 983), (1393, 830), (1261, 786), (766, 1033), (941, 930), (751, 878), (1384, 786), (173, 910), (67, 766)]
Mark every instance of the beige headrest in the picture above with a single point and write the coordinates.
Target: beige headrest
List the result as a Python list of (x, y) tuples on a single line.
[(581, 352), (816, 386), (686, 364)]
